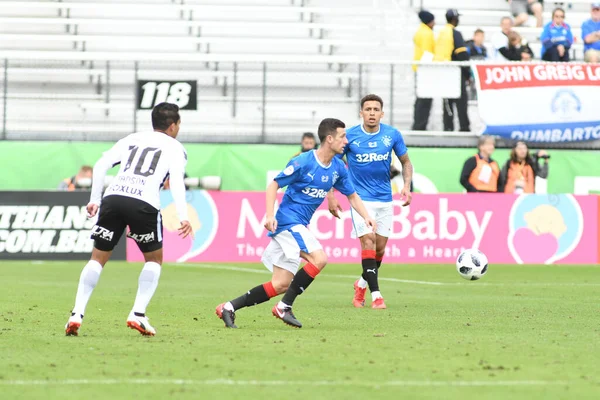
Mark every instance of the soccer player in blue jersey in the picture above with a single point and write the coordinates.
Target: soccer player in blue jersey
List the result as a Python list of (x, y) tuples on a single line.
[(309, 177), (369, 156)]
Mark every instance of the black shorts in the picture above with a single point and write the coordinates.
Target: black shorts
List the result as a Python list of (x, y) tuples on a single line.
[(118, 212)]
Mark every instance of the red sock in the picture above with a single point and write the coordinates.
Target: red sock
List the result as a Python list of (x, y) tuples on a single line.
[(269, 289), (311, 270), (368, 254)]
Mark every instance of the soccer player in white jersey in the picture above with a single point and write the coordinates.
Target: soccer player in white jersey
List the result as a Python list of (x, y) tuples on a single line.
[(132, 199), (308, 178), (369, 156)]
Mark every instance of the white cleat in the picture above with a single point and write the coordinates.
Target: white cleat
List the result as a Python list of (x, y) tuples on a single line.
[(73, 325), (140, 324)]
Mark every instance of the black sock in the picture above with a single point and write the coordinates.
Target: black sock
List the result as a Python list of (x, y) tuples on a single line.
[(369, 266), (299, 284), (254, 296), (378, 264)]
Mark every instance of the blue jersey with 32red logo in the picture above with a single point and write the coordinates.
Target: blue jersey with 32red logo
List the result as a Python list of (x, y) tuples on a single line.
[(369, 158), (308, 182)]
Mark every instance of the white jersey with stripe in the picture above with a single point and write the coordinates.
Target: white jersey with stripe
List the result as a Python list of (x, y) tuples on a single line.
[(146, 160)]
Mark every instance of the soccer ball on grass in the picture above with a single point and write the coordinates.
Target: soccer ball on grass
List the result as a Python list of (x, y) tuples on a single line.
[(472, 264)]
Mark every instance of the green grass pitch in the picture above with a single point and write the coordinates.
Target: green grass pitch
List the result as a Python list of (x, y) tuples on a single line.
[(522, 332)]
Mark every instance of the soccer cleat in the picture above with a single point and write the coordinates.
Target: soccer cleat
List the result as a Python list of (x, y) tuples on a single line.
[(73, 325), (140, 324), (378, 303), (359, 296), (287, 316), (227, 316)]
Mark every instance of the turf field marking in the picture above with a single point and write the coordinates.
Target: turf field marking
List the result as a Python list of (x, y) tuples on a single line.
[(231, 382), (265, 271), (431, 283)]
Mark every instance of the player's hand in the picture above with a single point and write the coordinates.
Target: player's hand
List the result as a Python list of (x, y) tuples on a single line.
[(185, 230), (406, 194), (371, 224), (271, 224), (334, 206), (92, 210)]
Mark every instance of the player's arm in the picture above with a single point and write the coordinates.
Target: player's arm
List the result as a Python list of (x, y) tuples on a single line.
[(108, 160), (357, 203), (291, 173), (407, 175), (407, 168), (177, 187)]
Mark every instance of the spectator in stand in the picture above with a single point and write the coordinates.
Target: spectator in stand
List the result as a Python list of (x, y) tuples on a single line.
[(450, 46), (308, 142), (475, 47), (556, 38), (480, 173), (522, 9), (518, 174), (518, 49), (500, 40), (424, 48), (82, 180), (590, 32)]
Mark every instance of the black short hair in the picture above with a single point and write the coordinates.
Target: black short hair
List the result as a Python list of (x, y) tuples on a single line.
[(370, 97), (163, 115), (309, 135), (328, 127)]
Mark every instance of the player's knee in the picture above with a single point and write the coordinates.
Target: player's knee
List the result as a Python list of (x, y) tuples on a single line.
[(368, 241), (280, 285)]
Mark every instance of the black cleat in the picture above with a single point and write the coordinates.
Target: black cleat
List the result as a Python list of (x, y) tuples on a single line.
[(287, 316), (227, 316)]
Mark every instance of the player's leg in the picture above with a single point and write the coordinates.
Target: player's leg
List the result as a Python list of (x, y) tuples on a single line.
[(368, 260), (106, 234), (537, 10), (145, 227), (281, 278), (380, 243), (147, 284), (310, 250)]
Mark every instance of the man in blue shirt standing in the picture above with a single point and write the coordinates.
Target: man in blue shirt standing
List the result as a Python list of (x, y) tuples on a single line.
[(590, 32), (369, 155), (309, 178)]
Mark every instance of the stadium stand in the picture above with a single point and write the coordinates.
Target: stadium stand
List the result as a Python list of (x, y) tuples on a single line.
[(74, 62)]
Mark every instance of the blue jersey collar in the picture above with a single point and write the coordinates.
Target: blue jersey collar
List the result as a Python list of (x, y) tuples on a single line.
[(319, 161), (369, 133)]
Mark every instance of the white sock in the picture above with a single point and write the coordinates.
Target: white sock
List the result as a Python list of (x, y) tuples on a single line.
[(147, 284), (281, 304), (228, 306), (376, 295), (362, 283), (87, 282)]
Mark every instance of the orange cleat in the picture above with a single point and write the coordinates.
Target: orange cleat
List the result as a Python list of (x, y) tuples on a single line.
[(378, 303), (359, 296), (73, 325)]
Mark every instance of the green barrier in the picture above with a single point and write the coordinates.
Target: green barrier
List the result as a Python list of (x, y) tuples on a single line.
[(43, 165)]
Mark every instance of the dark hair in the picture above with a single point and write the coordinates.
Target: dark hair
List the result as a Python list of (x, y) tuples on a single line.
[(309, 135), (478, 30), (513, 154), (370, 97), (329, 127), (163, 115), (558, 9)]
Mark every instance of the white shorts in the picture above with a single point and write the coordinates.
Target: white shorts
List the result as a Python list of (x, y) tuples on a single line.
[(284, 249), (381, 212)]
